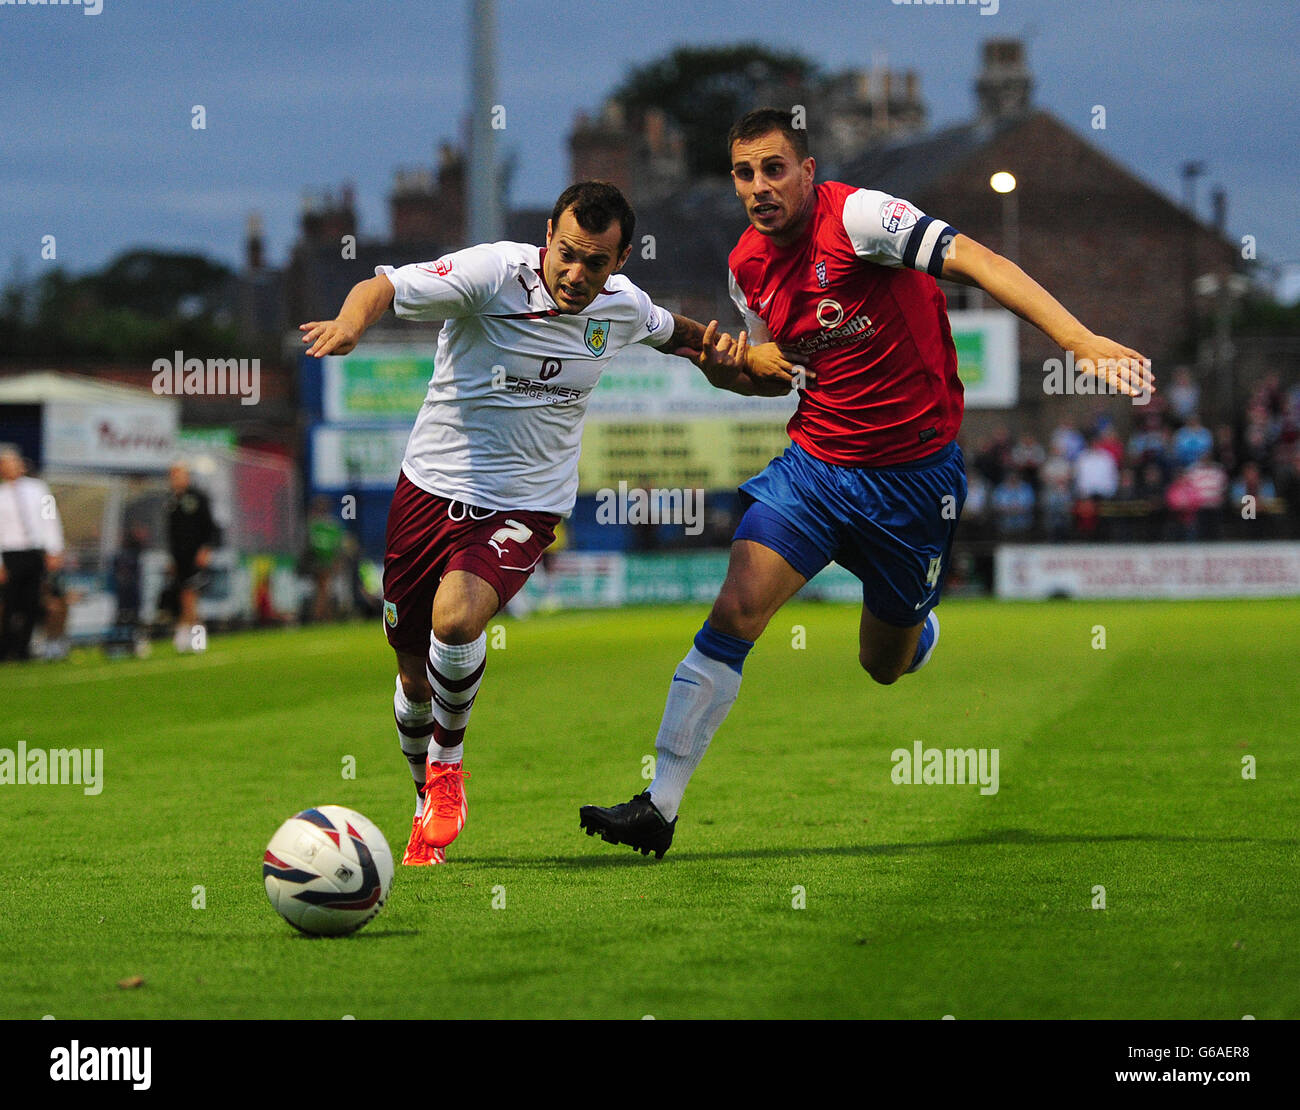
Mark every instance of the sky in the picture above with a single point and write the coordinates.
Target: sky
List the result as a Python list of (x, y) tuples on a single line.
[(97, 147)]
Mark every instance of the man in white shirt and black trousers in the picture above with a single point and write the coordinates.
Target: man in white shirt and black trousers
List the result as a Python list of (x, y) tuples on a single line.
[(31, 542)]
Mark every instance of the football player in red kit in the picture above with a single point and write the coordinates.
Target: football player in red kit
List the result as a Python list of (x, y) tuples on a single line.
[(841, 280)]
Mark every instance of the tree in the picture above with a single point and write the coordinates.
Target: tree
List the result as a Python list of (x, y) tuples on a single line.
[(141, 305), (160, 283), (701, 90)]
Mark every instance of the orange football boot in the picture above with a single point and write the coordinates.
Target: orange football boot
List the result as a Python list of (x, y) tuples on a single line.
[(418, 853), (444, 804)]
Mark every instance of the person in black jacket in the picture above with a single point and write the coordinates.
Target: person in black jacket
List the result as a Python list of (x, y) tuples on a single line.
[(191, 536)]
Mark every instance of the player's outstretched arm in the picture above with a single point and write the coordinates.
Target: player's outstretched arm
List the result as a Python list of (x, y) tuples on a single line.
[(971, 263), (725, 361), (366, 303)]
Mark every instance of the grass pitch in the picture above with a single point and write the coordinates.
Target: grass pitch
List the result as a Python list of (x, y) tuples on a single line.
[(1120, 767)]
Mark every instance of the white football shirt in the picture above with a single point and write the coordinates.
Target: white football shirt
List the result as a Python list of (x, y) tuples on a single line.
[(501, 424)]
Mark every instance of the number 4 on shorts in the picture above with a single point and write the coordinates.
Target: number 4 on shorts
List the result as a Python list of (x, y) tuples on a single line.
[(932, 574), (520, 533)]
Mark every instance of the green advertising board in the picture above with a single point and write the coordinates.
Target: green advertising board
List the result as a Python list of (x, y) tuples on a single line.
[(378, 387), (972, 360)]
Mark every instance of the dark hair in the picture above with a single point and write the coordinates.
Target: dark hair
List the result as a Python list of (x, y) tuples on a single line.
[(763, 121), (596, 205)]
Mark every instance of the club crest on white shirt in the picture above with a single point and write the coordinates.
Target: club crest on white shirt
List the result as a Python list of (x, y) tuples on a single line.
[(596, 336)]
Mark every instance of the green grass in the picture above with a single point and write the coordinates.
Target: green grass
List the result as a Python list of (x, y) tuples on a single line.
[(1120, 767)]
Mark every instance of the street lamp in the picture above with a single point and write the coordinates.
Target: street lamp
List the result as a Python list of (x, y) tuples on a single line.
[(1005, 183)]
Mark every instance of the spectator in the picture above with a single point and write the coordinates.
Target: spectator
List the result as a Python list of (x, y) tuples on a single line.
[(1192, 442), (126, 633), (191, 536), (31, 543), (1289, 426), (1252, 498), (1210, 484), (974, 514), (1068, 439), (1151, 489), (324, 548), (1225, 447), (1252, 482), (1127, 509), (1181, 501), (1056, 468), (1086, 518), (1096, 474), (1151, 483), (1013, 505), (1184, 395), (994, 456), (1028, 456), (1291, 415), (1288, 485), (1259, 435), (1108, 440), (1056, 500), (1268, 393), (54, 605), (1149, 444)]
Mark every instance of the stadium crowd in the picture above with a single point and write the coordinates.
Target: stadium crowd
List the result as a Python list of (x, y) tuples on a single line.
[(1173, 478)]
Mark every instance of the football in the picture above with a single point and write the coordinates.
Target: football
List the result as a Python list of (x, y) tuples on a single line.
[(328, 870)]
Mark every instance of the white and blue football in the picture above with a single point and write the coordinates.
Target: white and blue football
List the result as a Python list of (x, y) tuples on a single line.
[(328, 870)]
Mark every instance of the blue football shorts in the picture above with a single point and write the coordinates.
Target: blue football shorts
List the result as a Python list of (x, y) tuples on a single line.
[(892, 527)]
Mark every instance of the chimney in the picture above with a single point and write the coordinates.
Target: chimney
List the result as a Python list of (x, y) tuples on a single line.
[(453, 196), (254, 257), (603, 149), (412, 205), (326, 218), (1003, 88)]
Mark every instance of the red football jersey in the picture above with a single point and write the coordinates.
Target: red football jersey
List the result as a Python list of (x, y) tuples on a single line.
[(857, 299)]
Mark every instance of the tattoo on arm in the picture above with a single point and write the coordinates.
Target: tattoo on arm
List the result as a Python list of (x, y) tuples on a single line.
[(686, 333)]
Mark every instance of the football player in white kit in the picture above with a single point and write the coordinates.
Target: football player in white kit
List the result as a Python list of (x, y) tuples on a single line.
[(492, 462)]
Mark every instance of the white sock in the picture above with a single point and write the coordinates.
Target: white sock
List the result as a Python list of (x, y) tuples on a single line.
[(701, 693), (455, 671), (414, 727)]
